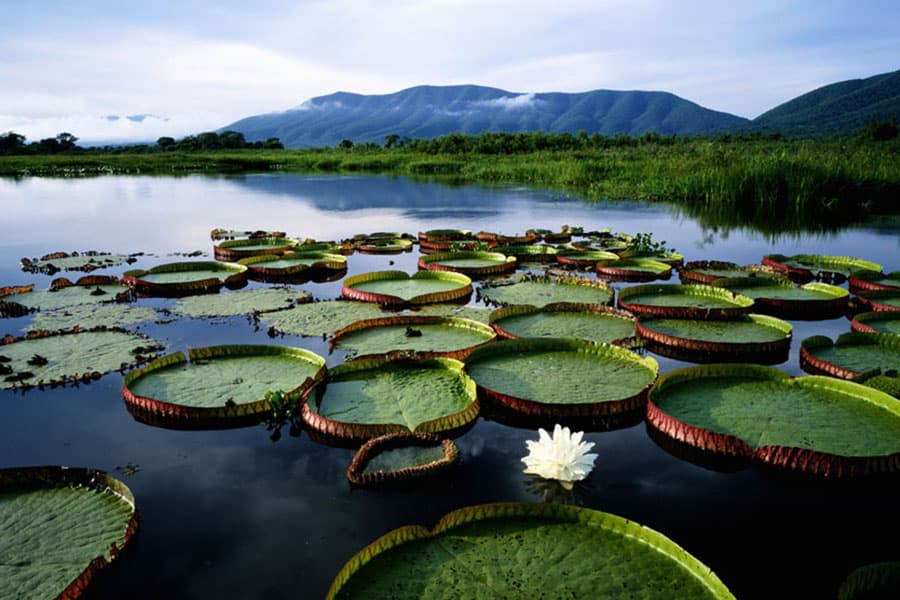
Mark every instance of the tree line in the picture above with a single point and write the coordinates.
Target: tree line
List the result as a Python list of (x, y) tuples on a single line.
[(65, 143)]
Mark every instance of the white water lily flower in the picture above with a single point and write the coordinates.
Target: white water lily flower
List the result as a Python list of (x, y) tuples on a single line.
[(563, 457)]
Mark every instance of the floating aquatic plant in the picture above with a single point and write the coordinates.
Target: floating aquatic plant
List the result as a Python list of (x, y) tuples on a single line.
[(563, 457)]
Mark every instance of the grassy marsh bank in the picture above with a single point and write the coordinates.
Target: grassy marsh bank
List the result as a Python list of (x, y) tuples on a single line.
[(784, 180)]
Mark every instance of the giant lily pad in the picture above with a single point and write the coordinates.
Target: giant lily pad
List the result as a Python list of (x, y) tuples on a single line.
[(90, 316), (506, 239), (219, 234), (879, 300), (877, 322), (384, 246), (398, 458), (670, 258), (526, 550), (527, 253), (470, 263), (87, 290), (184, 278), (876, 581), (816, 425), (270, 267), (750, 338), (42, 358), (365, 398), (63, 261), (220, 385), (538, 290), (445, 235), (233, 250), (420, 335), (634, 269), (560, 377), (684, 301), (585, 258), (707, 271), (803, 268), (397, 288), (779, 297), (242, 302), (61, 526), (566, 320), (862, 281), (851, 355)]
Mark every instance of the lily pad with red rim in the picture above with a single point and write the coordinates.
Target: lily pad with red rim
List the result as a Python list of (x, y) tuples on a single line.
[(61, 527), (863, 281), (567, 320), (562, 377), (86, 290), (850, 355), (750, 338), (877, 322), (677, 301), (779, 297), (634, 269), (397, 288), (269, 267), (670, 258), (527, 253), (76, 261), (422, 336), (803, 268), (538, 290), (218, 386), (233, 250), (384, 246), (185, 278), (584, 258), (529, 550), (369, 397), (878, 300), (401, 458), (469, 262), (707, 271), (819, 426)]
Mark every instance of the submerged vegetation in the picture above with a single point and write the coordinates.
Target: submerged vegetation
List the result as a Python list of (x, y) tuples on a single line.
[(727, 181)]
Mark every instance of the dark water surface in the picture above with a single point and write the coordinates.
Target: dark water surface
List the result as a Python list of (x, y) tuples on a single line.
[(231, 514)]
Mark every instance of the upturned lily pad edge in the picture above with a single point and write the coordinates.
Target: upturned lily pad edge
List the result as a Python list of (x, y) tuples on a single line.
[(358, 477)]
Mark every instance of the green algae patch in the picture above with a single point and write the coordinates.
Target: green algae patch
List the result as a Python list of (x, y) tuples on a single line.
[(369, 397), (242, 302), (684, 301), (536, 290), (61, 526), (811, 424), (219, 383), (90, 316), (49, 359), (562, 377), (415, 334), (564, 320), (526, 550), (398, 289), (398, 458), (877, 322), (851, 355)]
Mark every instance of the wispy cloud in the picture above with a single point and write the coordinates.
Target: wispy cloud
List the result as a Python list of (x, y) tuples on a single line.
[(510, 102)]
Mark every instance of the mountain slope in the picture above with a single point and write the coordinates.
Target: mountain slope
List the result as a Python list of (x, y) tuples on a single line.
[(842, 107), (431, 111)]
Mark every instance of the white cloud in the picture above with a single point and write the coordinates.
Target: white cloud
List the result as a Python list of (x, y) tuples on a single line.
[(510, 102)]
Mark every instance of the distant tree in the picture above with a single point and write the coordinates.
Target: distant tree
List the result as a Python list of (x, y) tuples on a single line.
[(12, 143), (166, 143), (208, 140), (391, 140), (273, 143), (345, 145), (66, 141), (232, 139)]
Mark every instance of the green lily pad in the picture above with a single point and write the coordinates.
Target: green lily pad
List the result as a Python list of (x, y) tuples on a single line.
[(566, 320), (877, 322), (812, 424), (219, 234), (43, 358), (61, 526), (400, 458), (874, 280), (445, 235), (271, 266), (397, 288), (878, 300), (670, 258), (62, 261), (851, 355), (806, 267), (232, 250), (527, 253), (242, 302), (383, 235), (684, 301), (505, 239), (420, 335), (560, 377), (471, 263), (526, 550), (90, 316), (369, 397), (69, 296), (541, 290), (707, 271), (384, 246), (634, 269), (779, 297), (877, 581), (585, 258), (183, 278), (750, 338), (220, 383)]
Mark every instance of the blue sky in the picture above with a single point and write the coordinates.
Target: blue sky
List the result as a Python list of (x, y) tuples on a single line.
[(197, 65)]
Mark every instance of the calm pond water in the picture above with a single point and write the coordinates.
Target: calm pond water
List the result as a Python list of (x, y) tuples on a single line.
[(231, 514)]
